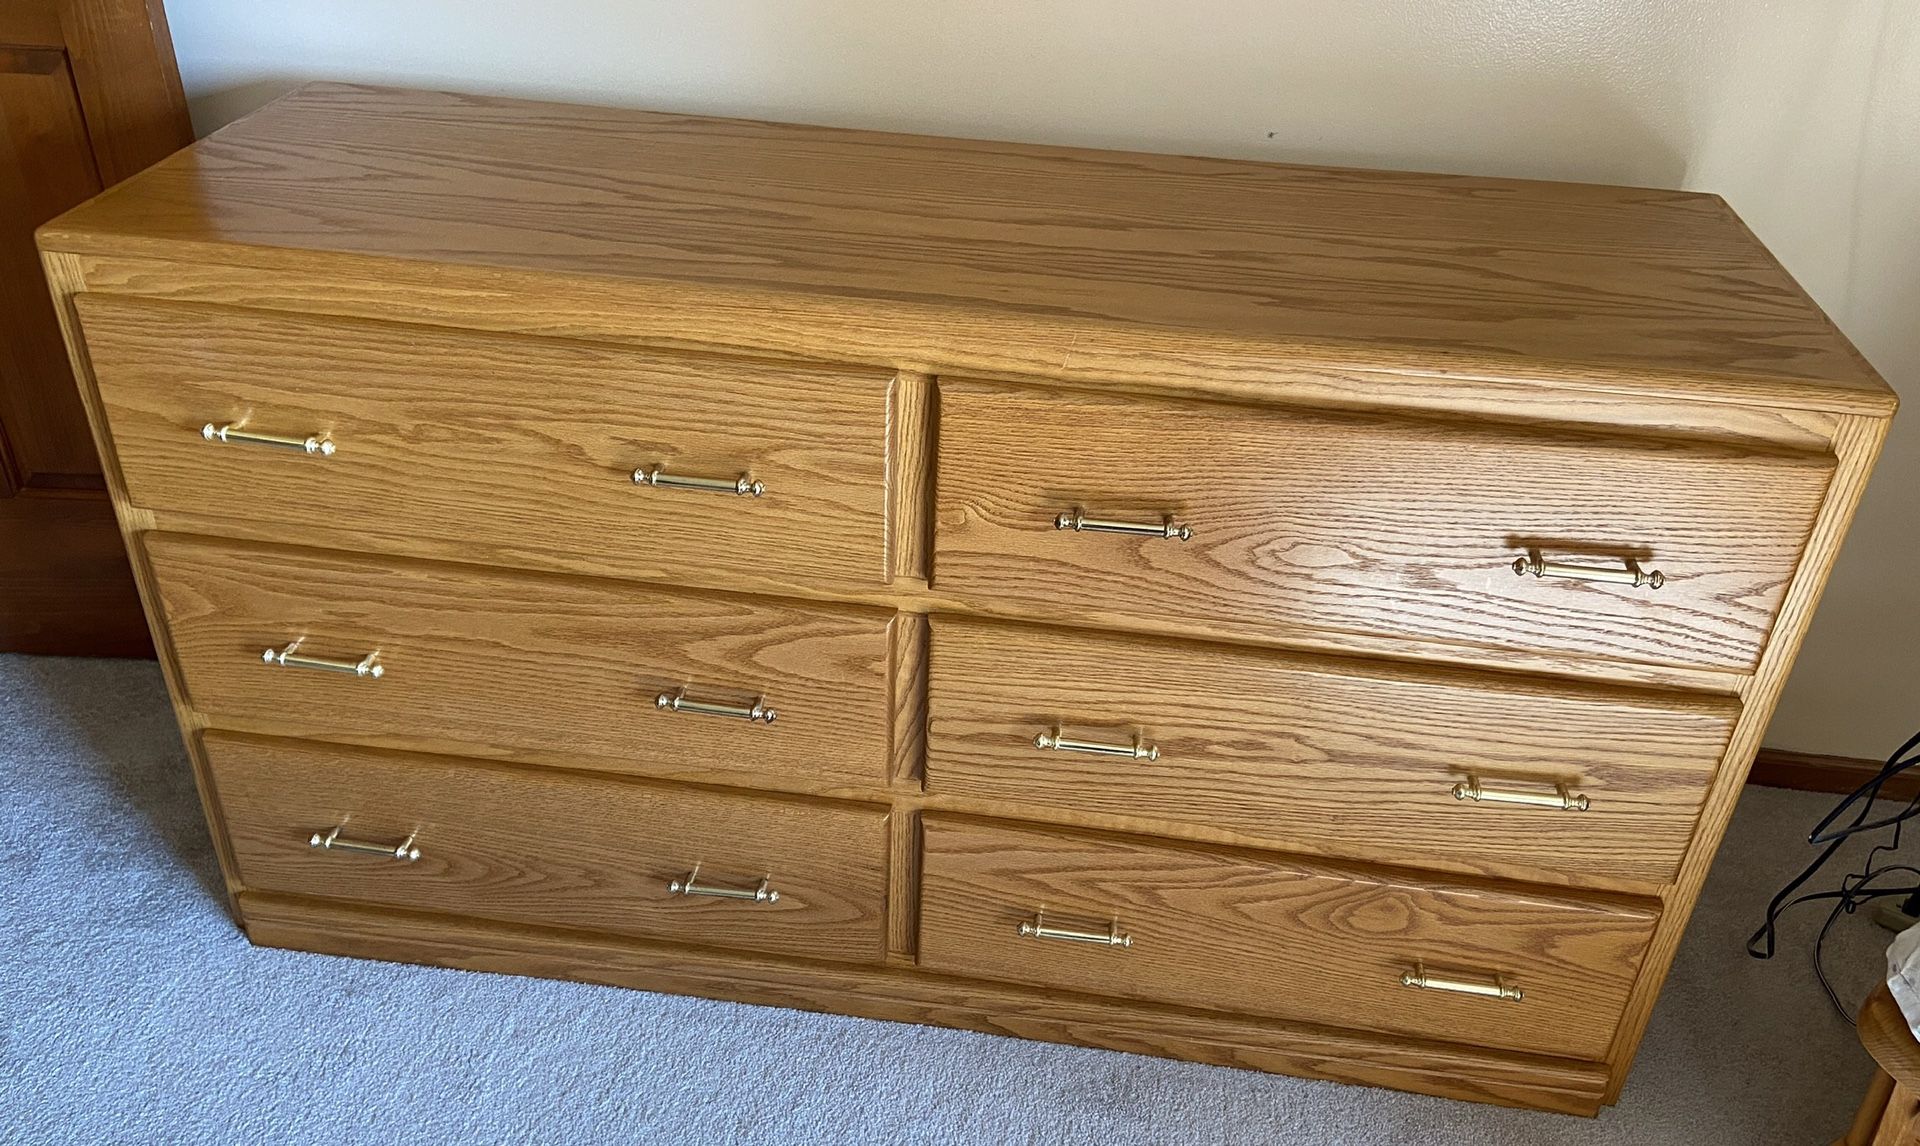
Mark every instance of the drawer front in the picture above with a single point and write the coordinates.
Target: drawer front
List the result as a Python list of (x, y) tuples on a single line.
[(518, 450), (1261, 936), (547, 669), (554, 849), (1344, 758), (1370, 525)]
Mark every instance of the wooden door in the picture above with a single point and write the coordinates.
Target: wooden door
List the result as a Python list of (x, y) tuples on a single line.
[(89, 95)]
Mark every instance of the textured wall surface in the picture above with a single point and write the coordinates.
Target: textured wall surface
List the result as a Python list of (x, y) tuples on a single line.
[(1804, 115)]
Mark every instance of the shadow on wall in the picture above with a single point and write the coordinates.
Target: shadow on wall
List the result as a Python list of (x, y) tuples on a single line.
[(216, 109)]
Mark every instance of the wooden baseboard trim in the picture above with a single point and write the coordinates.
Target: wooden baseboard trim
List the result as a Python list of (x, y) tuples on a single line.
[(1809, 772), (1450, 1071)]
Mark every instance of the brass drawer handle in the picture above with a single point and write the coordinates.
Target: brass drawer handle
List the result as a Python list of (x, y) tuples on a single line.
[(1079, 522), (678, 702), (1629, 574), (1037, 928), (744, 485), (331, 841), (760, 893), (1562, 798), (1500, 988), (366, 666), (232, 434), (1138, 750)]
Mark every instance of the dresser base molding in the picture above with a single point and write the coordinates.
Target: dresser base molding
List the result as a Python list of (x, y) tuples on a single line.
[(906, 996), (1836, 775)]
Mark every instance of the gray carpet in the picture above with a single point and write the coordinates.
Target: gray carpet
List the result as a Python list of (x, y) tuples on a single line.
[(134, 1012)]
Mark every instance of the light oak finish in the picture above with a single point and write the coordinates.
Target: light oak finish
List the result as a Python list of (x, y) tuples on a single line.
[(1472, 1073), (562, 850), (1379, 389), (909, 446), (1899, 1121), (391, 296), (1333, 757), (917, 339), (1276, 937), (528, 668), (524, 448), (1856, 444), (88, 95), (1890, 1113), (1075, 262), (1391, 526), (910, 638)]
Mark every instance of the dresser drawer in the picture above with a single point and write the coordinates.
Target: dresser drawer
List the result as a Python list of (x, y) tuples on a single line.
[(1349, 758), (548, 669), (1394, 528), (1263, 936), (516, 450), (806, 877)]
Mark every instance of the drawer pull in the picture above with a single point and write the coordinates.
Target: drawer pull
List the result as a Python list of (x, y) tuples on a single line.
[(232, 434), (759, 893), (678, 702), (1138, 750), (332, 841), (1629, 574), (1079, 522), (1037, 928), (1564, 800), (744, 485), (1498, 989), (366, 666)]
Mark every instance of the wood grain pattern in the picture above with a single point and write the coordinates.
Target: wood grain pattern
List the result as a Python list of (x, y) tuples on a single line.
[(909, 447), (64, 278), (1239, 261), (83, 101), (902, 335), (566, 851), (491, 664), (1866, 1121), (1629, 367), (502, 446), (1856, 445), (1275, 937), (1887, 1037), (1372, 524), (46, 166), (1340, 758), (674, 318), (1471, 1073), (1890, 1114), (903, 886), (1900, 1121), (908, 632), (124, 70), (909, 597)]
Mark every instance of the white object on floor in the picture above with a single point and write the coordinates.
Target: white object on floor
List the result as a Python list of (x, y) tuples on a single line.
[(1903, 975)]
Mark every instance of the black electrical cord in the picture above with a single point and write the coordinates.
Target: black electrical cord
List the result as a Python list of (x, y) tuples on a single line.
[(1855, 887)]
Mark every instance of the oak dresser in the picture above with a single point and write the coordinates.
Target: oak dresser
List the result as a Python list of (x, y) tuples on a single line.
[(1283, 617)]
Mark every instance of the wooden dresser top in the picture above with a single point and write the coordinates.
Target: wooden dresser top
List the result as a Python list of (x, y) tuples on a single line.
[(1250, 267)]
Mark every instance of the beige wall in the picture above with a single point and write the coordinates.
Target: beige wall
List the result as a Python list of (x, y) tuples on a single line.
[(1804, 114)]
